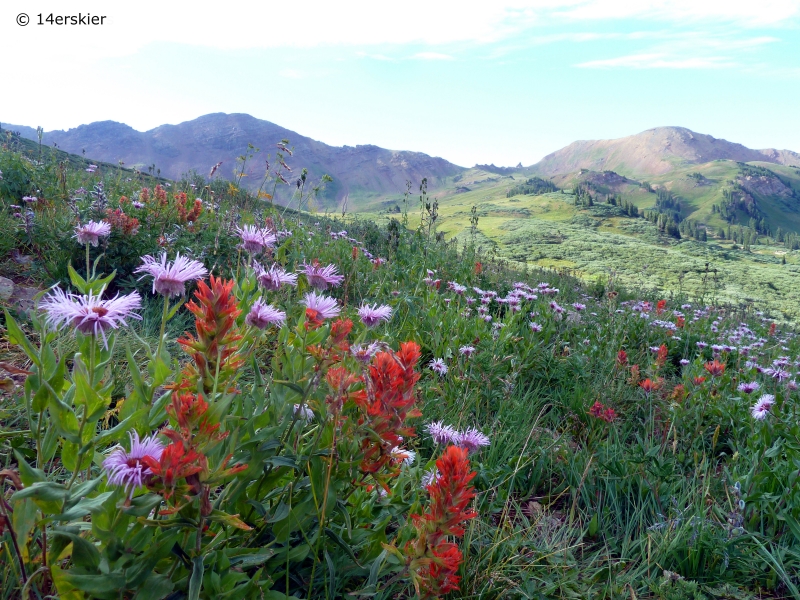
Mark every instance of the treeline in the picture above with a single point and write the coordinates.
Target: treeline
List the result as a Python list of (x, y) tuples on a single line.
[(533, 186)]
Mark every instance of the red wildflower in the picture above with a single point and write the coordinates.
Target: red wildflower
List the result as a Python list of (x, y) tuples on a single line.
[(661, 357), (698, 380), (634, 378), (478, 268), (387, 401), (217, 334), (340, 329), (602, 412), (772, 329), (144, 195), (622, 358), (715, 368), (648, 385), (433, 561), (660, 306), (354, 254), (160, 194), (122, 222), (680, 322), (175, 464), (678, 393)]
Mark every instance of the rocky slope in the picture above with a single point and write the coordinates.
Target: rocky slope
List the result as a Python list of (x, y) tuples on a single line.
[(359, 171), (654, 152)]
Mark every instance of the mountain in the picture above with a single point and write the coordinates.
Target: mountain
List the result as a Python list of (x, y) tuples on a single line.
[(358, 172), (654, 152)]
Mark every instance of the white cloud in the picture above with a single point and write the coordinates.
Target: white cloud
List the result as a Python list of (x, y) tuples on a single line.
[(658, 61), (432, 56), (290, 74)]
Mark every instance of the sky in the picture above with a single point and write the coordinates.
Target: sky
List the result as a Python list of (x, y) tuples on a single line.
[(500, 81)]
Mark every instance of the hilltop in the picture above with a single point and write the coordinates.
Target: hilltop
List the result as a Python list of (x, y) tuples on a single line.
[(655, 152), (358, 171)]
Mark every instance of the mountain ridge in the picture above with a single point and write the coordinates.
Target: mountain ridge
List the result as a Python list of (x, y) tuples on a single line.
[(655, 151)]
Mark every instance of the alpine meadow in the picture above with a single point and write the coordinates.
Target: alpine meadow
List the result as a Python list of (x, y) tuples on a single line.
[(319, 357)]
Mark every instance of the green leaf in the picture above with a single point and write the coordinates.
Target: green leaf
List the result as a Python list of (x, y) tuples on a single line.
[(18, 337), (155, 586), (281, 512), (42, 490), (196, 580), (594, 525), (342, 544), (84, 553), (84, 507), (250, 557), (376, 569), (291, 385), (232, 520), (66, 591)]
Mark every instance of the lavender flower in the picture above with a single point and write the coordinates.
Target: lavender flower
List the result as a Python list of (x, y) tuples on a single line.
[(262, 315), (535, 327), (89, 314), (303, 412), (749, 387), (273, 278), (91, 232), (364, 353), (321, 277), (403, 455), (429, 477), (126, 468), (373, 315), (467, 351), (684, 362), (169, 279), (255, 240), (472, 439), (323, 307), (761, 409), (438, 366), (442, 434)]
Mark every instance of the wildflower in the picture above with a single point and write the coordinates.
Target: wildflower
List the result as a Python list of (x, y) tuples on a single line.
[(169, 279), (622, 358), (303, 412), (749, 387), (90, 314), (778, 374), (262, 315), (660, 306), (254, 239), (661, 358), (319, 308), (175, 463), (466, 351), (761, 409), (373, 315), (648, 385), (91, 232), (442, 434), (578, 306), (126, 469), (698, 380), (321, 277), (535, 327), (684, 362), (471, 439), (428, 477), (715, 368), (137, 204), (438, 366), (364, 353), (599, 411), (273, 278), (403, 455)]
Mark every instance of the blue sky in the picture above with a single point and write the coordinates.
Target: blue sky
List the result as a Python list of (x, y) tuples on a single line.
[(501, 82)]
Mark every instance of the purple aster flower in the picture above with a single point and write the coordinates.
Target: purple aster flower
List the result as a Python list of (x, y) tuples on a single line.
[(169, 279), (761, 408), (273, 278), (429, 478), (137, 204), (323, 307), (684, 362), (403, 455), (466, 351), (89, 314), (779, 374), (578, 306), (125, 468), (438, 366), (373, 315), (321, 277), (472, 439), (363, 353), (254, 239), (442, 434), (535, 327), (749, 387), (303, 412), (262, 315), (91, 232)]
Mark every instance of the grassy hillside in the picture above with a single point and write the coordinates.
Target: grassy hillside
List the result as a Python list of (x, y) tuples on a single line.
[(601, 242)]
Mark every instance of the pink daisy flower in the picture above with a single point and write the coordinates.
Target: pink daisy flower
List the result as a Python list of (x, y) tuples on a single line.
[(254, 240), (262, 315), (321, 307), (472, 439), (761, 409), (89, 314), (125, 468), (91, 232), (442, 434), (373, 315), (466, 351), (437, 366), (169, 279), (273, 278), (321, 277)]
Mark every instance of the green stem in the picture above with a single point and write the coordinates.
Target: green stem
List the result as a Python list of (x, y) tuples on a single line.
[(163, 327), (87, 262)]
